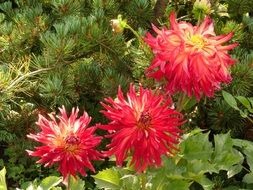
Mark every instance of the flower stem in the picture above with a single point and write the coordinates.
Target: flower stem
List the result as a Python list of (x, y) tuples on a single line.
[(143, 181), (140, 39), (181, 102), (67, 182)]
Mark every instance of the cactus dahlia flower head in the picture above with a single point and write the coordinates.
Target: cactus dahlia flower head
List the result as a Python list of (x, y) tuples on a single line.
[(192, 59), (68, 142), (142, 126)]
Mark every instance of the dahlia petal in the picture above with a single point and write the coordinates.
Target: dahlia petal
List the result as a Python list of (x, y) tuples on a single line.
[(173, 22), (223, 39), (206, 27), (190, 58), (228, 47), (68, 142), (136, 130)]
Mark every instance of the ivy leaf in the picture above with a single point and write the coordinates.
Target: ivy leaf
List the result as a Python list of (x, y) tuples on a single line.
[(230, 100), (2, 179), (107, 179), (49, 182)]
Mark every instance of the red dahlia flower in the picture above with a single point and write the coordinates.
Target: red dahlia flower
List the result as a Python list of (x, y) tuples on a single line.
[(191, 58), (143, 126), (68, 142)]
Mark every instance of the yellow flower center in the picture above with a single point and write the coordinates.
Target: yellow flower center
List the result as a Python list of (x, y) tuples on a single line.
[(71, 143), (197, 41), (144, 121)]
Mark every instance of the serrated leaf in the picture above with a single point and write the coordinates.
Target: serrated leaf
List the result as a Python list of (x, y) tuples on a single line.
[(49, 182), (196, 147), (222, 142), (2, 179), (199, 167), (247, 149), (130, 182), (230, 99), (107, 179), (76, 183), (225, 156)]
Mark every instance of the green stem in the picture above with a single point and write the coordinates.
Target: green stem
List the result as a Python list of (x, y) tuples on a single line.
[(16, 81), (140, 39), (249, 119), (143, 181), (181, 102), (68, 183)]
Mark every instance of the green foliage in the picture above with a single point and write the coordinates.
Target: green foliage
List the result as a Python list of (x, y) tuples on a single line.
[(2, 179), (49, 182), (236, 7), (76, 183), (196, 163), (107, 179), (65, 52), (246, 102)]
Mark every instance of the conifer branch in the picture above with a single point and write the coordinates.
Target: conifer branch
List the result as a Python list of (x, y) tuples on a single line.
[(19, 79)]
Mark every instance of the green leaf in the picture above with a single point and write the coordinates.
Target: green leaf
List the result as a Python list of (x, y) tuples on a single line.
[(76, 183), (130, 182), (245, 102), (107, 179), (196, 147), (244, 113), (251, 101), (231, 188), (230, 99), (31, 187), (248, 178), (247, 149), (2, 179), (234, 170), (199, 167), (205, 182), (249, 156), (190, 103), (49, 182), (222, 142), (225, 156), (177, 185)]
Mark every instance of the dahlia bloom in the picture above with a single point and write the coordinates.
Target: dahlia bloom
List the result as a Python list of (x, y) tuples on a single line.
[(142, 126), (191, 58), (68, 142)]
